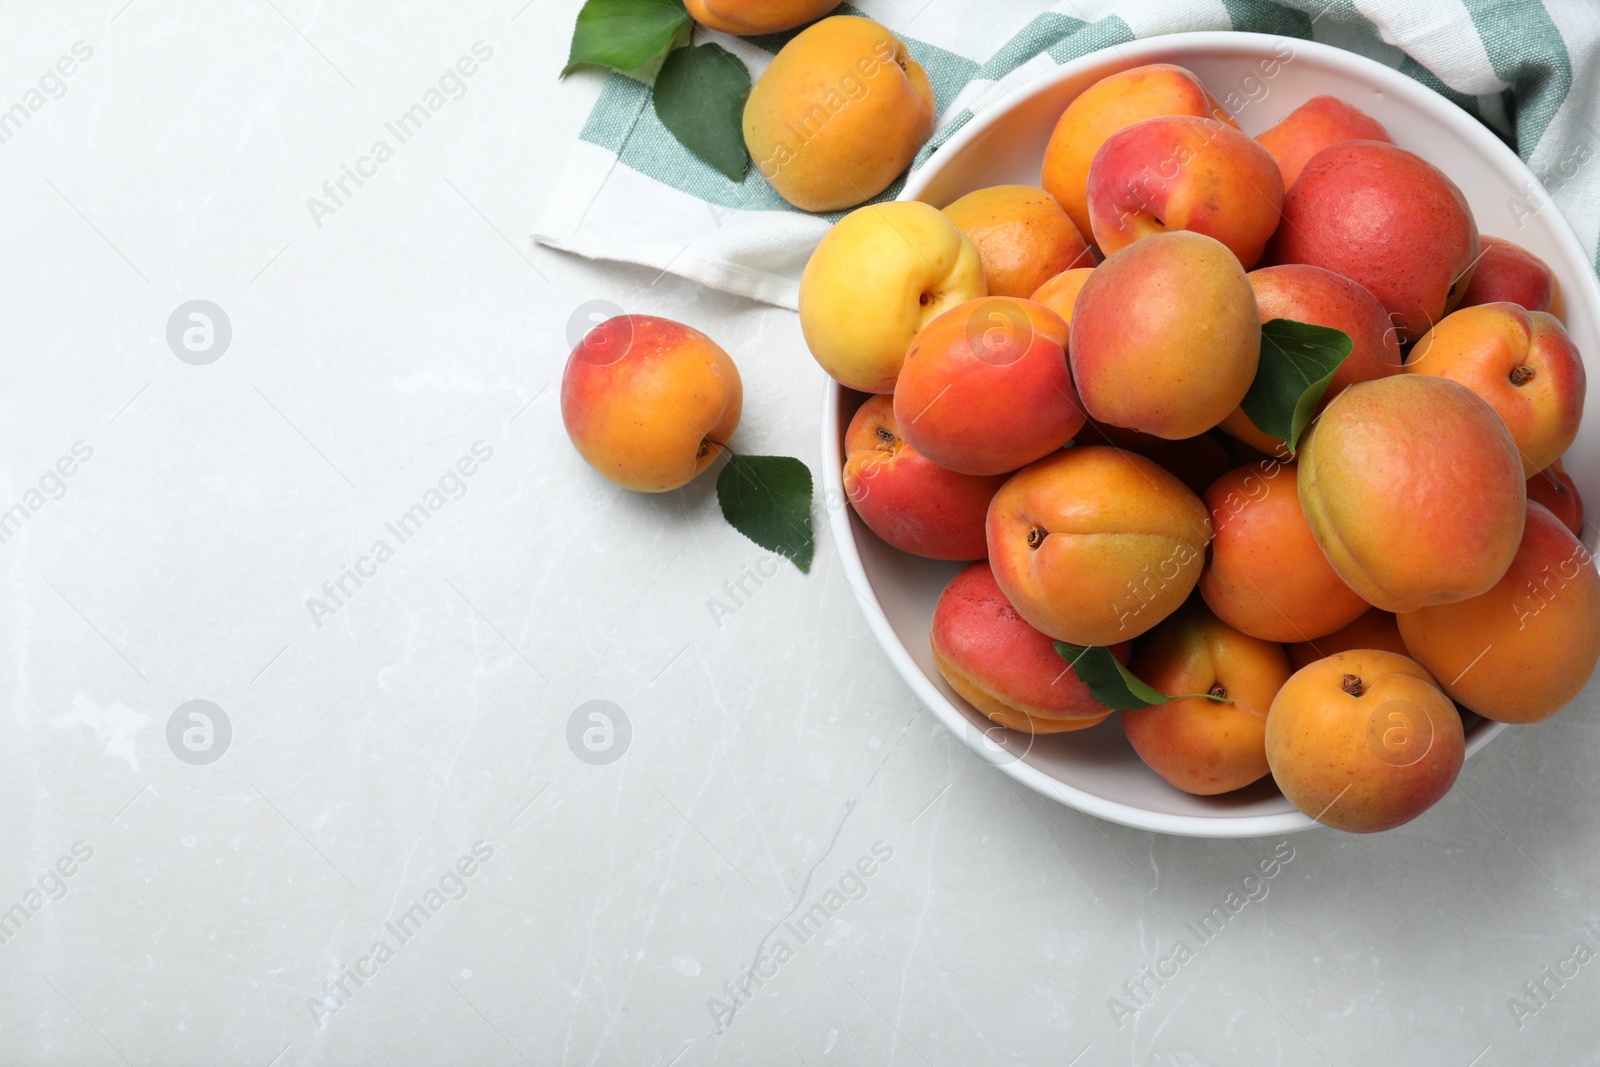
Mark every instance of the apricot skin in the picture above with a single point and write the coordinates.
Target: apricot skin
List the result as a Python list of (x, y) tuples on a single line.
[(838, 114), (989, 363), (1313, 126), (1521, 651), (647, 400), (1095, 546), (1166, 337), (1202, 746), (1369, 762), (1554, 488), (1002, 666), (1111, 104), (1523, 363), (905, 498), (1388, 220), (1023, 237), (746, 17), (1413, 488), (1266, 576)]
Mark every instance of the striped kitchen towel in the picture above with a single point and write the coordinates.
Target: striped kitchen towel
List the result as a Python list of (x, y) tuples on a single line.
[(628, 191)]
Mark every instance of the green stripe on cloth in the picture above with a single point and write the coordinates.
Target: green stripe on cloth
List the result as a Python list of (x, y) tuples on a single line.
[(1412, 69), (1527, 52), (1262, 16)]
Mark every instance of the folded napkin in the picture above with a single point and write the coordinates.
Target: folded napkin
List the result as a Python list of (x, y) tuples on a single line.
[(629, 191)]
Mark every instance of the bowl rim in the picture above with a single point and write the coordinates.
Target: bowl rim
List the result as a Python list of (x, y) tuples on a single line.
[(1159, 48)]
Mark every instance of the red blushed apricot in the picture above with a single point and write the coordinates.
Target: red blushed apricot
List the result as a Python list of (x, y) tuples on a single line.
[(1414, 490), (1372, 629), (646, 401), (905, 498), (1508, 272), (1178, 172), (1554, 488), (1388, 220), (1523, 363), (1363, 741), (1111, 104), (1266, 576), (1205, 746), (1520, 652), (1002, 666), (985, 387), (1305, 293), (1313, 126)]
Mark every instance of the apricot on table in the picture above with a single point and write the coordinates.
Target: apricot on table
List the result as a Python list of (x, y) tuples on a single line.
[(648, 402)]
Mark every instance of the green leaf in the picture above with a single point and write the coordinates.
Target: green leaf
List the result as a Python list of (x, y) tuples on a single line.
[(1298, 360), (631, 36), (699, 97), (1109, 682), (768, 499)]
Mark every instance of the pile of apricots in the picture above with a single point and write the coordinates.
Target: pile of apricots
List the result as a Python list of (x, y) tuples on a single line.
[(1050, 383)]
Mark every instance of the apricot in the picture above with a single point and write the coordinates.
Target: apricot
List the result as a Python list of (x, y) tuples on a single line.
[(1023, 237), (1523, 363), (1554, 488), (1166, 336), (1413, 489), (747, 17), (1093, 545), (1388, 220), (875, 279), (1373, 628), (1364, 741), (909, 501), (648, 402), (1310, 294), (1179, 172), (1205, 746), (1521, 651), (1313, 126), (1060, 294), (1266, 575), (1111, 104), (1002, 666), (985, 387), (1508, 272), (838, 114)]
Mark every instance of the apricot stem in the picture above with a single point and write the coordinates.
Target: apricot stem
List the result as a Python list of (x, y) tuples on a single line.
[(705, 446), (1211, 695), (1352, 684), (1521, 375), (1036, 537)]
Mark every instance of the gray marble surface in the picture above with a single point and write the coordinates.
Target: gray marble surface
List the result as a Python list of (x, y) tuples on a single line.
[(373, 843)]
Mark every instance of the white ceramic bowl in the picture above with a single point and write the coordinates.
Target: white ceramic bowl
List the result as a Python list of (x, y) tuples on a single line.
[(1096, 770)]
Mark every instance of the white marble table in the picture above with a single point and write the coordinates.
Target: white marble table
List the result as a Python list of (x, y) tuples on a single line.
[(392, 767)]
